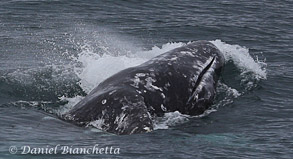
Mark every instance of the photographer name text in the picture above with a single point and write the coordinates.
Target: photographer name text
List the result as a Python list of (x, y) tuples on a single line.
[(64, 149)]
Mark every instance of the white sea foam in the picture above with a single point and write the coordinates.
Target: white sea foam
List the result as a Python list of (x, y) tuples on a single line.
[(95, 67), (97, 123), (242, 59), (71, 102), (170, 119)]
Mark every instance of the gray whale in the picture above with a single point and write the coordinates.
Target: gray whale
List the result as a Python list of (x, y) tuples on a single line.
[(183, 79)]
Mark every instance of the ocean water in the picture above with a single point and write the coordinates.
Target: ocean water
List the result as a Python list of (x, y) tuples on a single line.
[(53, 52)]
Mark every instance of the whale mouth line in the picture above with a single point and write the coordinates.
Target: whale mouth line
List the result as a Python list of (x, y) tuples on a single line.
[(199, 80)]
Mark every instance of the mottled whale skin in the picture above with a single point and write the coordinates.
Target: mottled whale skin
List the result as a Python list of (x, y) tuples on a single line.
[(183, 79)]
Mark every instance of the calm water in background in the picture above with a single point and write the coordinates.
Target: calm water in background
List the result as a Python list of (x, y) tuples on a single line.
[(38, 39)]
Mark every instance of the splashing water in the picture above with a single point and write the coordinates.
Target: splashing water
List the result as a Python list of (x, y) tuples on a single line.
[(242, 59), (94, 67), (170, 119)]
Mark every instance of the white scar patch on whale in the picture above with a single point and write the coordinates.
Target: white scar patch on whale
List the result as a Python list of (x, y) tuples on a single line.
[(193, 50), (140, 74), (138, 91), (198, 64), (149, 84), (120, 121), (187, 53), (167, 85), (173, 58), (163, 108), (112, 92), (137, 80), (206, 49), (163, 95), (97, 123)]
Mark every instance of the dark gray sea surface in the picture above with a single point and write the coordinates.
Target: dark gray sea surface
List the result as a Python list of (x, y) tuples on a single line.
[(53, 52)]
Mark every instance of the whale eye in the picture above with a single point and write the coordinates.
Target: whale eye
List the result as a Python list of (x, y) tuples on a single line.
[(104, 101)]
